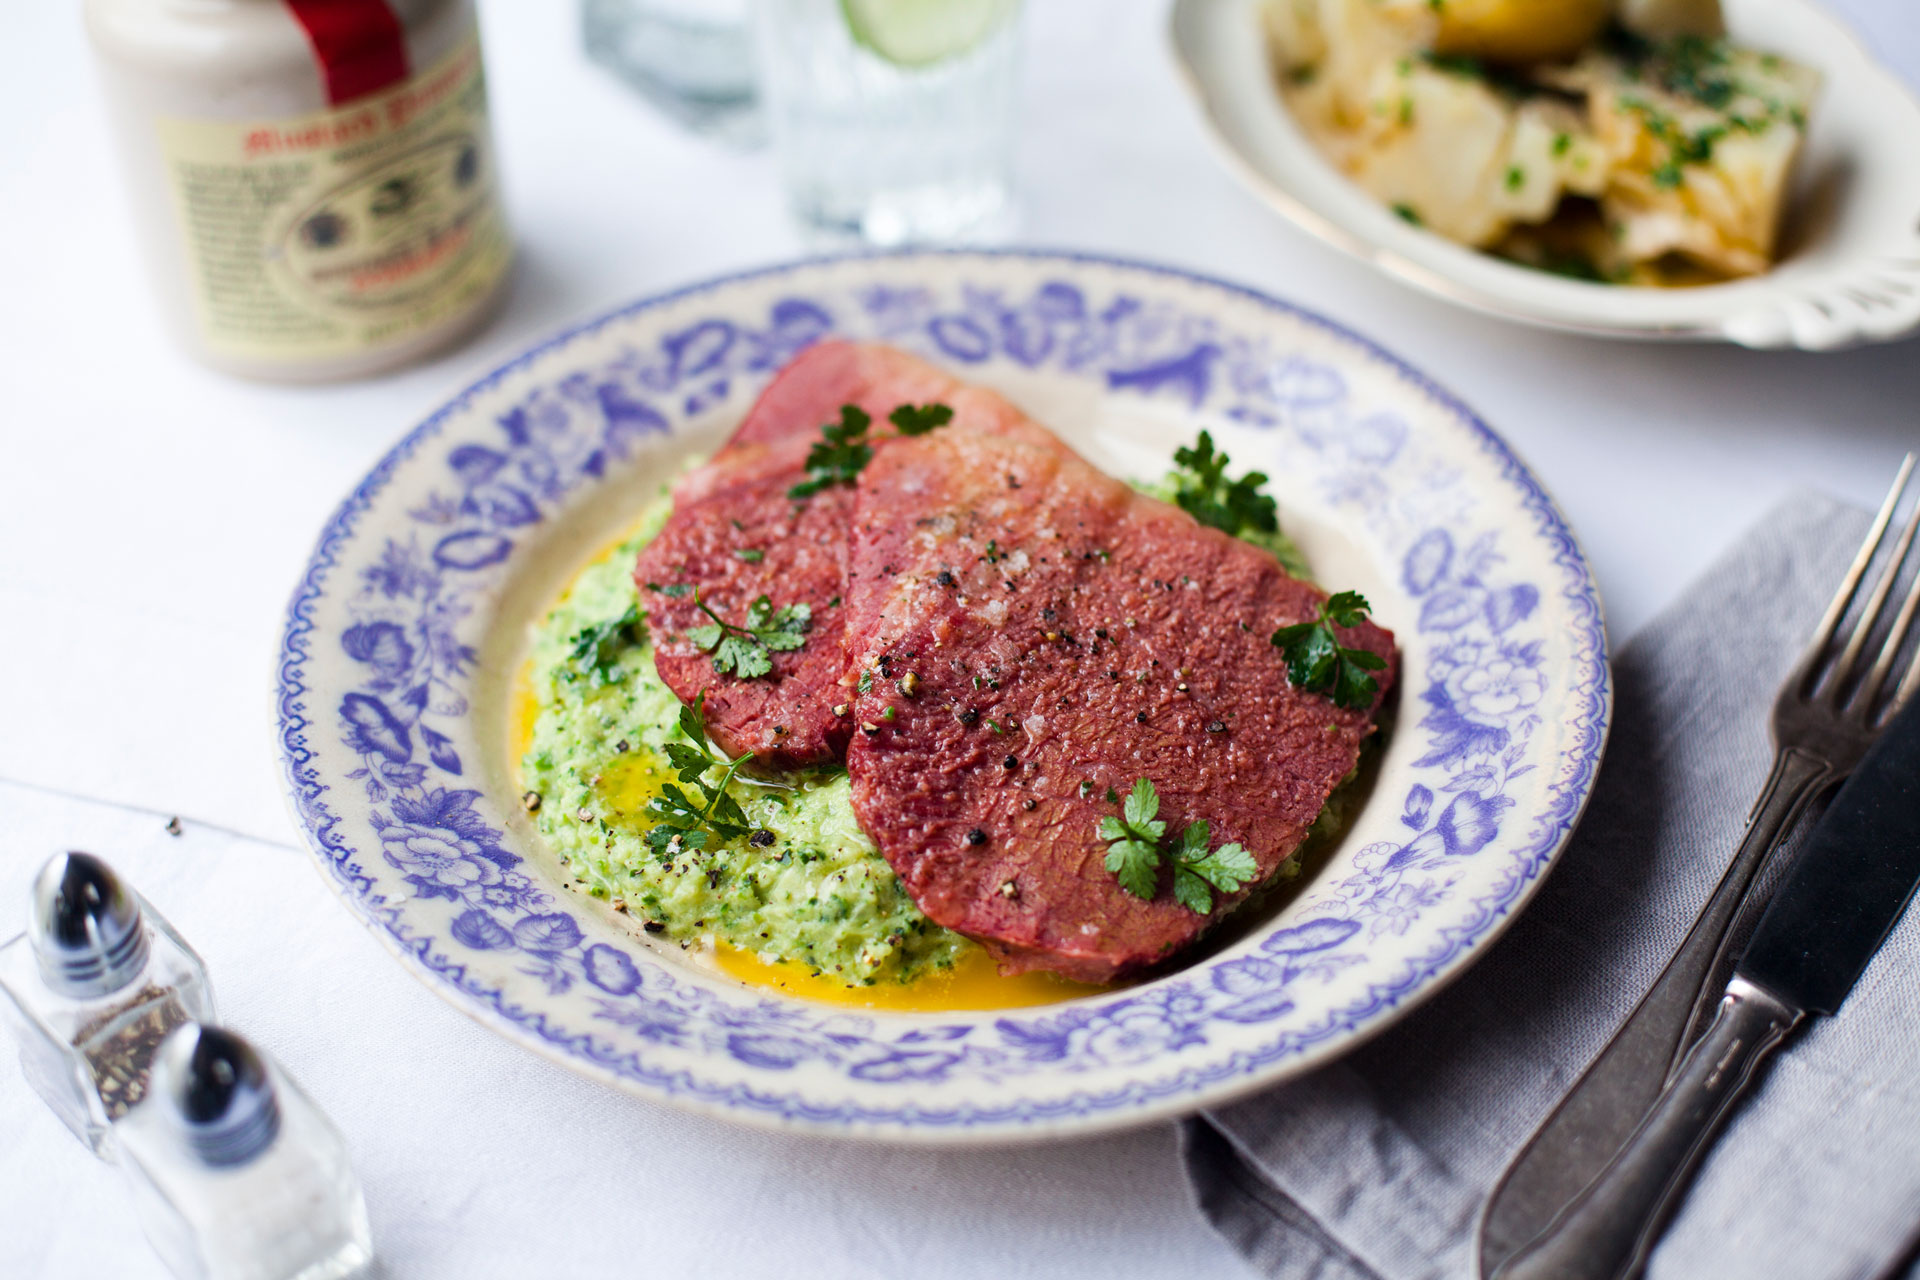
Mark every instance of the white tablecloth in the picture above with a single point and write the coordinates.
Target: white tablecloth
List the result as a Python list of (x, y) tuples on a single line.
[(153, 517)]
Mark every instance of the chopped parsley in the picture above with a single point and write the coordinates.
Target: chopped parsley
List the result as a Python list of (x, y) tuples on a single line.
[(839, 456), (743, 650), (596, 650), (685, 823), (845, 448), (1696, 67), (917, 420), (1456, 64), (1203, 491), (1318, 663), (752, 555), (1572, 265), (1136, 841)]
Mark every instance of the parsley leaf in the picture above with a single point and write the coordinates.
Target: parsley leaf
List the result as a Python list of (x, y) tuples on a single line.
[(596, 650), (1198, 871), (1135, 842), (684, 822), (742, 650), (917, 421), (840, 454), (1133, 862), (1318, 663), (1133, 839), (845, 448), (1142, 808), (1202, 490), (740, 656)]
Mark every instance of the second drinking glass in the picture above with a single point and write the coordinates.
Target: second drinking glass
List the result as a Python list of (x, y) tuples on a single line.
[(893, 118)]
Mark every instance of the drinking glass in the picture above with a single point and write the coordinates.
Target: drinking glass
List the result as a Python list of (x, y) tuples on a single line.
[(893, 119), (691, 58)]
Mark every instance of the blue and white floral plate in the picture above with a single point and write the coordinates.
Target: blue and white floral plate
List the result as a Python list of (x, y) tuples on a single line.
[(402, 638)]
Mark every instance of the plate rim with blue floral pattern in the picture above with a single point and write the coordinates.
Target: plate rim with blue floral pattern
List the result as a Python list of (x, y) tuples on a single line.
[(388, 715)]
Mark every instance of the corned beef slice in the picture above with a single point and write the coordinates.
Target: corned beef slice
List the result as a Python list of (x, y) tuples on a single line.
[(738, 502), (1056, 629)]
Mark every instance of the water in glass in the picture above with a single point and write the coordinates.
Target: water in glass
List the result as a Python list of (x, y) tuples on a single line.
[(884, 152)]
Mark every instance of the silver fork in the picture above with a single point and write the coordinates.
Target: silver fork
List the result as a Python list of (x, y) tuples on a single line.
[(1825, 716)]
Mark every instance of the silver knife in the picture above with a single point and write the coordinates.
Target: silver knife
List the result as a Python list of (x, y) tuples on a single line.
[(1842, 895)]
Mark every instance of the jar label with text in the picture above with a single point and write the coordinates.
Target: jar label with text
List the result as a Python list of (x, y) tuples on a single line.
[(346, 230)]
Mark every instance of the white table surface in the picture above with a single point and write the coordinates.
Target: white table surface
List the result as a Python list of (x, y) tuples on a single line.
[(154, 515)]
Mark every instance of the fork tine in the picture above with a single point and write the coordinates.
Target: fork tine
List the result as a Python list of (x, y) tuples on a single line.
[(1896, 635), (1891, 650), (1849, 660), (1823, 634), (1908, 687)]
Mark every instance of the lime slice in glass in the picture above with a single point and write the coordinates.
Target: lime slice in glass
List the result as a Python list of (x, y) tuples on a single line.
[(918, 33)]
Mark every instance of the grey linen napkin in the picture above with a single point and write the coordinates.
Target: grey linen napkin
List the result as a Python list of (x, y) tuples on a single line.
[(1377, 1167)]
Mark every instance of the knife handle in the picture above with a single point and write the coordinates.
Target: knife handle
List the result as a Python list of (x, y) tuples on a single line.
[(1594, 1119), (1798, 776), (1608, 1230)]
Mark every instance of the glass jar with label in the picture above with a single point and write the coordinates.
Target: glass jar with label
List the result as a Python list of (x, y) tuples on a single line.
[(314, 179)]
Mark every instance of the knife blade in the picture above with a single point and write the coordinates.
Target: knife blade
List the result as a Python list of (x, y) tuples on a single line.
[(1847, 889), (1840, 898)]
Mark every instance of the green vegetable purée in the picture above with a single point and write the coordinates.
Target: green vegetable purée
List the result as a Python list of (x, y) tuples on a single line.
[(819, 893)]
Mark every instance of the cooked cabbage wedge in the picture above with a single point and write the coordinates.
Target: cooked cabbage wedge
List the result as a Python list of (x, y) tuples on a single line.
[(1445, 150), (1481, 118), (1701, 139), (1429, 136)]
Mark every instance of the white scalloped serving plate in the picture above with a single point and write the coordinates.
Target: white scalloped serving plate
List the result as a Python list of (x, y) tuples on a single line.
[(1850, 272), (403, 634)]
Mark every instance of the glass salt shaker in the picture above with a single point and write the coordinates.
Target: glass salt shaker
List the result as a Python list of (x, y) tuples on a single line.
[(97, 982), (236, 1174)]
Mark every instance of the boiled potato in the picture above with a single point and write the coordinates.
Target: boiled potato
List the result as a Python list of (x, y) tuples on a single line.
[(1518, 30), (1661, 19)]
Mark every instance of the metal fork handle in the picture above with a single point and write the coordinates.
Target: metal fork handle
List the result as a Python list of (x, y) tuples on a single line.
[(1797, 778), (1611, 1227), (1596, 1117)]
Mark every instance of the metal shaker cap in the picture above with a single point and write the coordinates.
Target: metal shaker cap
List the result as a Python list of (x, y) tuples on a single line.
[(218, 1090), (87, 932)]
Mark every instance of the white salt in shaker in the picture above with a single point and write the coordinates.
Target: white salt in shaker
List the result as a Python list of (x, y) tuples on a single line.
[(313, 180), (96, 983), (236, 1174)]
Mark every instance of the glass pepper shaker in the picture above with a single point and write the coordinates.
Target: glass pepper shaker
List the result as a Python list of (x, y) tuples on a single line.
[(236, 1174), (97, 982)]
